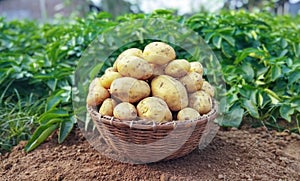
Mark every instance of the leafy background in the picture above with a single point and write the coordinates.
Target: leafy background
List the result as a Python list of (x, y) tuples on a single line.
[(259, 54)]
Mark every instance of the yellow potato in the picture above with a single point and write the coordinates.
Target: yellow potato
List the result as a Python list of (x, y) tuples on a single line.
[(200, 101), (171, 91), (125, 111), (158, 69), (187, 114), (132, 66), (178, 68), (159, 53), (107, 107), (155, 109), (110, 69), (97, 94), (192, 81), (196, 67), (108, 78), (131, 51), (128, 89), (208, 88), (95, 81)]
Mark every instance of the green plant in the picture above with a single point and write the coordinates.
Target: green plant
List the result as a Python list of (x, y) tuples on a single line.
[(259, 53), (260, 57), (18, 118), (40, 60)]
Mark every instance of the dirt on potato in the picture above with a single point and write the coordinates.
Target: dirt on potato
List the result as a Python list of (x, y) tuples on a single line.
[(246, 154)]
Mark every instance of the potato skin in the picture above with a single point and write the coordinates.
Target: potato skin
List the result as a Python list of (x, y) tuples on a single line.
[(109, 69), (95, 82), (125, 111), (159, 53), (200, 101), (132, 66), (128, 89), (108, 78), (196, 67), (107, 107), (158, 69), (129, 52), (192, 81), (97, 94), (178, 68), (187, 114), (171, 91), (155, 109), (208, 88)]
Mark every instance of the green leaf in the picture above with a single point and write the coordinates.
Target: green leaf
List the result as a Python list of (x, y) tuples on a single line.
[(52, 84), (294, 77), (217, 41), (273, 96), (295, 103), (65, 128), (249, 72), (39, 136), (284, 43), (229, 39), (54, 113), (54, 100), (296, 48), (275, 72), (251, 52), (260, 100), (233, 118), (250, 106), (227, 50), (232, 99), (222, 105), (286, 111), (208, 36), (283, 53), (96, 69)]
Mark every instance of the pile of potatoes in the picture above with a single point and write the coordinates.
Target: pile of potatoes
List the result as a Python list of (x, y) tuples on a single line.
[(152, 84)]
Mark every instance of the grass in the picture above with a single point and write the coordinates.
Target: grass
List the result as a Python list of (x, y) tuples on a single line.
[(18, 117)]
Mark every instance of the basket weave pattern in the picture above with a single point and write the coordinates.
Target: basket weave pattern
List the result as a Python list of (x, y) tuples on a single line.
[(143, 141)]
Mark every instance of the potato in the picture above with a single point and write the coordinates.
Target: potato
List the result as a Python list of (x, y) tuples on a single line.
[(128, 89), (171, 91), (208, 88), (187, 114), (158, 69), (200, 101), (95, 82), (131, 51), (97, 94), (108, 78), (196, 67), (155, 109), (192, 81), (159, 53), (125, 111), (132, 66), (107, 107), (178, 68), (110, 69)]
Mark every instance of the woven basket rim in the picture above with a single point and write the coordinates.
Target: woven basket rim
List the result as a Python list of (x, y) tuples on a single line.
[(152, 125)]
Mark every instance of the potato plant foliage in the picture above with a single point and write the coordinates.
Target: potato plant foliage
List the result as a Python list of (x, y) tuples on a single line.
[(259, 54)]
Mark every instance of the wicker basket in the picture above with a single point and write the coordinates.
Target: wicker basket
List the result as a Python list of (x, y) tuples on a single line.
[(141, 141)]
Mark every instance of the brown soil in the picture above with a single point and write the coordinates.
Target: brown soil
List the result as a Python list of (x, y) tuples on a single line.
[(247, 154)]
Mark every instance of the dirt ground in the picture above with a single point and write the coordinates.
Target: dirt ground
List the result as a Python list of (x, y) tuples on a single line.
[(246, 154)]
